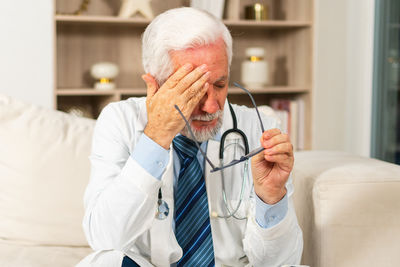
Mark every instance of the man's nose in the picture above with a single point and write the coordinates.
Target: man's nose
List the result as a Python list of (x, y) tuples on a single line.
[(209, 101)]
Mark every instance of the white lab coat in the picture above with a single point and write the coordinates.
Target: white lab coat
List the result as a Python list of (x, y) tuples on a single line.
[(121, 200)]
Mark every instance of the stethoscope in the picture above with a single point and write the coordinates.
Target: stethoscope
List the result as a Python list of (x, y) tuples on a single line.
[(162, 206)]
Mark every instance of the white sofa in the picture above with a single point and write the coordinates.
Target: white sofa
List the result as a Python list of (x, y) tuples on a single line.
[(347, 206)]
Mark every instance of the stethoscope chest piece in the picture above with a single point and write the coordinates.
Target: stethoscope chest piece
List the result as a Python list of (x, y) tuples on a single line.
[(162, 210)]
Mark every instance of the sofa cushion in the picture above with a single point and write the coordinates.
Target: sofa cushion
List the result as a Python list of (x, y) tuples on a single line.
[(347, 207), (17, 255), (44, 169)]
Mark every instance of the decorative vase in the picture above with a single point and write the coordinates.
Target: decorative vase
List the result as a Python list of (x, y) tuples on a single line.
[(104, 73)]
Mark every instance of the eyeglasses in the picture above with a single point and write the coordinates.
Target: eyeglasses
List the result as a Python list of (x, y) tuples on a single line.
[(235, 161)]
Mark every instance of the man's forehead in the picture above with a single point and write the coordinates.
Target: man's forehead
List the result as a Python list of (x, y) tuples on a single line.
[(196, 55)]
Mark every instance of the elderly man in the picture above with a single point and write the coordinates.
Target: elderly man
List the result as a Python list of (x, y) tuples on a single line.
[(152, 200)]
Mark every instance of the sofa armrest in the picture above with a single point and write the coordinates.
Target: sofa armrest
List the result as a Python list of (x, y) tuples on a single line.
[(348, 208)]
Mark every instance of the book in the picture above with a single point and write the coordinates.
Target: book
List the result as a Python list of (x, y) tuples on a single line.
[(291, 114), (280, 115), (301, 125)]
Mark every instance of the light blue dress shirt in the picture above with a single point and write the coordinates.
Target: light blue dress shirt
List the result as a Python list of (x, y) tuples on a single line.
[(154, 158)]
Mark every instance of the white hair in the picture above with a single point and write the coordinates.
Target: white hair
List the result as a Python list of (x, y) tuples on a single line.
[(179, 29)]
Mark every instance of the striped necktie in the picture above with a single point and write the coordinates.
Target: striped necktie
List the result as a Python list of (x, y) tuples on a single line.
[(192, 218)]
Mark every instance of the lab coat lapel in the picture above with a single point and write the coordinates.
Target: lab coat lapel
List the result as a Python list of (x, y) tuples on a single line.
[(164, 247), (212, 178)]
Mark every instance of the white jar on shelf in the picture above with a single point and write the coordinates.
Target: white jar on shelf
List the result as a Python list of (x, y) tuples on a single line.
[(255, 68)]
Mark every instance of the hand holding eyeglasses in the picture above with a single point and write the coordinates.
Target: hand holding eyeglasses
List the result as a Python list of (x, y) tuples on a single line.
[(271, 163), (185, 87), (271, 167)]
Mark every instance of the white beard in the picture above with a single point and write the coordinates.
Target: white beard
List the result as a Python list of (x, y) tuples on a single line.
[(206, 133)]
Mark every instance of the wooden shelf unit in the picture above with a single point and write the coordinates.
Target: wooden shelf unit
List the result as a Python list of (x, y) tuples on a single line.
[(70, 19), (142, 91), (99, 35)]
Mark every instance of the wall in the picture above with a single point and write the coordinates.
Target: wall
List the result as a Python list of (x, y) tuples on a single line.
[(26, 50), (343, 75), (361, 15)]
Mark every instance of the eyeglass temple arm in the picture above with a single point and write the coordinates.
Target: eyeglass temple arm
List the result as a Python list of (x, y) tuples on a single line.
[(194, 138), (254, 103), (243, 158), (254, 152)]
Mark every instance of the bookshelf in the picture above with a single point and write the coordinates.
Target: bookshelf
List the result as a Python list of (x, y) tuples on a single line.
[(99, 35)]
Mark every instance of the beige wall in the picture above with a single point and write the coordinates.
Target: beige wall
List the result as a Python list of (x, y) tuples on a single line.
[(26, 50), (343, 75)]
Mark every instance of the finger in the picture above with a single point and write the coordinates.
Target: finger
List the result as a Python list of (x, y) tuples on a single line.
[(191, 78), (280, 149), (151, 83), (258, 158), (192, 103), (275, 140), (196, 87), (178, 75), (270, 133), (277, 157), (283, 159)]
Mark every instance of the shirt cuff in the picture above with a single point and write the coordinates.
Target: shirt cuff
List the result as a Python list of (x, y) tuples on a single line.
[(270, 215), (151, 156)]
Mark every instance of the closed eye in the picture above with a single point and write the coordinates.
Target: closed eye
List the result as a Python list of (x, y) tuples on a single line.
[(221, 82), (220, 85)]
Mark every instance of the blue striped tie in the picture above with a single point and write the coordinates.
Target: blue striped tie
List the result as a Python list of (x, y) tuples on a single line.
[(192, 221)]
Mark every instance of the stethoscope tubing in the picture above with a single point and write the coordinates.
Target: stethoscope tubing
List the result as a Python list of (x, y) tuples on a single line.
[(233, 213), (246, 164), (163, 209)]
